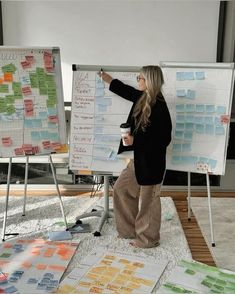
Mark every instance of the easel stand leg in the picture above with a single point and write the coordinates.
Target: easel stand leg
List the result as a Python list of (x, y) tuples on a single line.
[(104, 214), (189, 196), (58, 191), (25, 183), (209, 206), (6, 203)]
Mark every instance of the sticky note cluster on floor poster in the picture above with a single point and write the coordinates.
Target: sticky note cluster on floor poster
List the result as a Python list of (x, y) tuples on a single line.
[(30, 102)]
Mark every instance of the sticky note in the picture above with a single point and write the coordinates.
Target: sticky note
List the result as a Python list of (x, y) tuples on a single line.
[(199, 75), (180, 93)]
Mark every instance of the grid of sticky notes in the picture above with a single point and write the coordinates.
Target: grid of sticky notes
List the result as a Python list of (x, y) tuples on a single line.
[(195, 277), (29, 118), (33, 266), (193, 119), (114, 274)]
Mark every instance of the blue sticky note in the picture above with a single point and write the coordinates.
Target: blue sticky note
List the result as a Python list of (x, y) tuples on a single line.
[(203, 159), (176, 159), (52, 110), (212, 163), (200, 108), (60, 235), (189, 118), (179, 134), (209, 120), (199, 128), (44, 135), (101, 108), (177, 147), (219, 130), (37, 123), (188, 136), (217, 121), (191, 94), (180, 76), (189, 126), (198, 119), (179, 118), (179, 107), (209, 129), (200, 75), (28, 124), (43, 114), (54, 137), (210, 108), (52, 125), (99, 92), (180, 93), (179, 126), (99, 83), (98, 129), (103, 101), (190, 108), (35, 136), (220, 109), (189, 75), (186, 147)]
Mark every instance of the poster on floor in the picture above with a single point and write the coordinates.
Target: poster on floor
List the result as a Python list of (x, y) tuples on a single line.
[(33, 265), (108, 271), (195, 277)]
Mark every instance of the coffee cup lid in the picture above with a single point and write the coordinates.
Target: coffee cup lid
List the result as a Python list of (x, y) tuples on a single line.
[(125, 125)]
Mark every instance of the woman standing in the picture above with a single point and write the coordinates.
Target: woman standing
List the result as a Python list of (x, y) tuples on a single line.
[(137, 205)]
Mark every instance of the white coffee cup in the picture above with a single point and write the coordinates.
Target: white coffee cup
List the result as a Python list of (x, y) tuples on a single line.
[(125, 131)]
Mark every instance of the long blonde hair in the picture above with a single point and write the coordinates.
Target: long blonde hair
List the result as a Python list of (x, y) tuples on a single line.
[(154, 80)]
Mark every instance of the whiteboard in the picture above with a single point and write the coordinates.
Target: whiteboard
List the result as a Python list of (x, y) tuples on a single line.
[(32, 119), (95, 119), (199, 95)]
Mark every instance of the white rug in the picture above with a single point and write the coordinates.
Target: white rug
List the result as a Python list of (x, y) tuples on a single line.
[(42, 214), (224, 228)]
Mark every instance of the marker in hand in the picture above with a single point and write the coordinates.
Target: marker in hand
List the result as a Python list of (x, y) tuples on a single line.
[(101, 72)]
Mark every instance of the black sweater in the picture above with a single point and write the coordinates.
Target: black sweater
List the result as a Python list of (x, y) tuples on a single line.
[(149, 146)]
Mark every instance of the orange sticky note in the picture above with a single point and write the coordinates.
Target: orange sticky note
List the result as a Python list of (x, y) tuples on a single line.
[(8, 77), (7, 245), (1, 80), (41, 266), (57, 268), (26, 264)]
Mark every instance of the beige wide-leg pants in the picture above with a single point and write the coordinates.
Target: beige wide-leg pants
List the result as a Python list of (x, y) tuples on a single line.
[(137, 209)]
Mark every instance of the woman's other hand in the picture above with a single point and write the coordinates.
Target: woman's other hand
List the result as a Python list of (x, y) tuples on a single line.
[(128, 140)]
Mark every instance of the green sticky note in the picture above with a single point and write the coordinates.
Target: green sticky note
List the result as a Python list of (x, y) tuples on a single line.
[(190, 272), (5, 255), (16, 86), (2, 105), (4, 88), (207, 283), (33, 80), (42, 90), (10, 99), (9, 68), (50, 103), (10, 109), (41, 74)]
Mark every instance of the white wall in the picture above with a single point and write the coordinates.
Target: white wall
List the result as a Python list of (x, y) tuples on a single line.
[(114, 32)]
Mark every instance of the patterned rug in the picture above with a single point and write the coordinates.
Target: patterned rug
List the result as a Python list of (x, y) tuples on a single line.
[(43, 214)]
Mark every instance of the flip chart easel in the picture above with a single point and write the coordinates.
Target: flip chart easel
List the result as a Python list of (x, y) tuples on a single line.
[(32, 118), (95, 126), (25, 194), (199, 96)]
